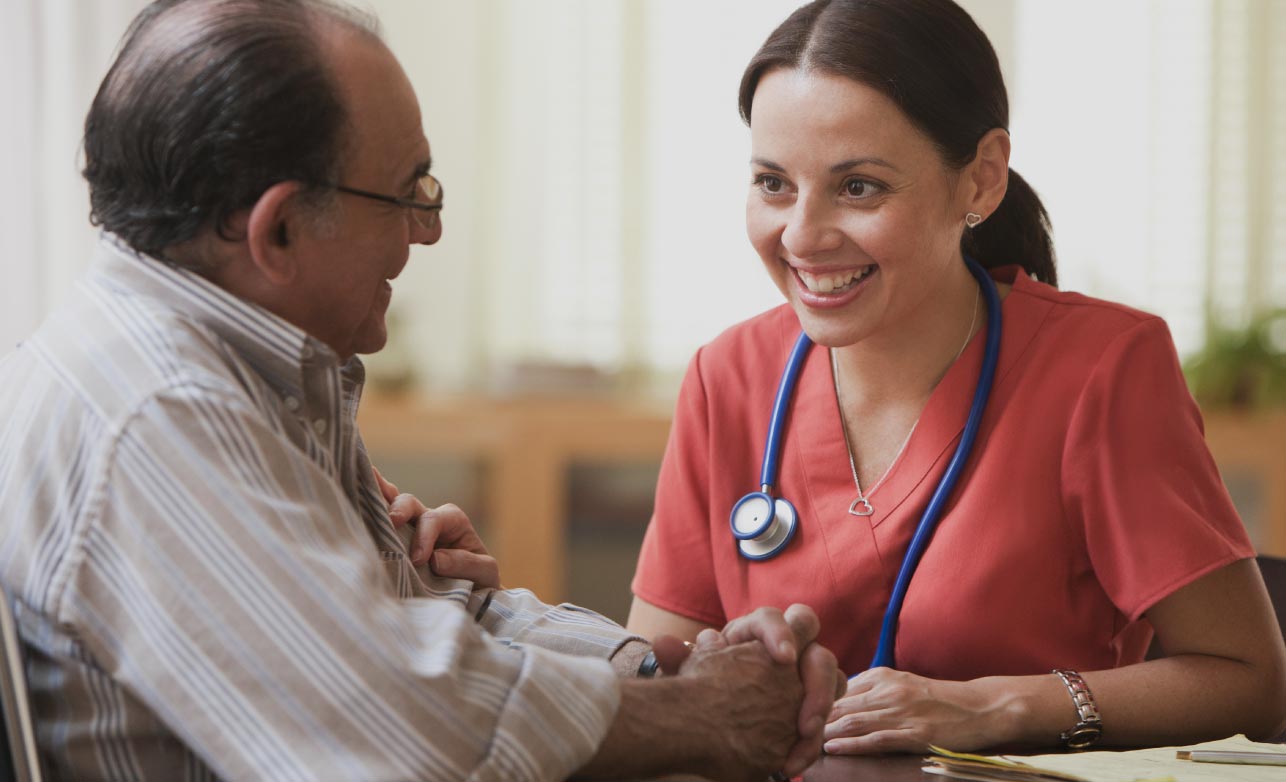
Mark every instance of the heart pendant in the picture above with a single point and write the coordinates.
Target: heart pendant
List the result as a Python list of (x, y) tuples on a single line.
[(861, 507)]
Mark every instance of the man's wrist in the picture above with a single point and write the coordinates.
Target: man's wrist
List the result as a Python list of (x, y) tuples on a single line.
[(662, 712), (629, 656)]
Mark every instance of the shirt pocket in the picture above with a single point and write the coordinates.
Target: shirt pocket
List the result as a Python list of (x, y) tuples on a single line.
[(398, 570)]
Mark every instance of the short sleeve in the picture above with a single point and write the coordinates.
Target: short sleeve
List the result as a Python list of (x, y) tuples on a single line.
[(676, 569), (1139, 480)]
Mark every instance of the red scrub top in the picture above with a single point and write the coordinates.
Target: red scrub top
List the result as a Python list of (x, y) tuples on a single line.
[(1090, 496)]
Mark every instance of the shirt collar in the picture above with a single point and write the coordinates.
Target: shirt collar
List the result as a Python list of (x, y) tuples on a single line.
[(276, 349)]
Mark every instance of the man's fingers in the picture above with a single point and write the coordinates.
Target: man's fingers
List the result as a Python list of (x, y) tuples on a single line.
[(803, 623), (802, 755), (387, 489), (670, 653), (817, 671), (767, 626), (710, 638), (404, 507), (428, 529), (456, 563)]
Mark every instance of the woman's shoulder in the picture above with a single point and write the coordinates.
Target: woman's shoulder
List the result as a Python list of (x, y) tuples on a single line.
[(1091, 322), (765, 337)]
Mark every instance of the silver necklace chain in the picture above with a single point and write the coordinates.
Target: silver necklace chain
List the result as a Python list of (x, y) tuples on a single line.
[(862, 505)]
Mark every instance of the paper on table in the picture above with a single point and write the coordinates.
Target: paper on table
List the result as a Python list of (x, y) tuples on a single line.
[(1161, 762)]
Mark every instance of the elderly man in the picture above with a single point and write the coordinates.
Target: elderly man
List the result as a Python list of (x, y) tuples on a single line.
[(207, 579)]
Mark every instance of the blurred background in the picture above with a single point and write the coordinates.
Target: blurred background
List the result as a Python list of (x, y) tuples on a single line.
[(596, 173)]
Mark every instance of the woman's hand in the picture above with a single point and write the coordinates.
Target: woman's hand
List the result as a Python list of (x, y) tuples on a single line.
[(892, 711), (444, 537)]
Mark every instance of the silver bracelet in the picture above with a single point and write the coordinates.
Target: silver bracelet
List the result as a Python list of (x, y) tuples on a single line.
[(1089, 723)]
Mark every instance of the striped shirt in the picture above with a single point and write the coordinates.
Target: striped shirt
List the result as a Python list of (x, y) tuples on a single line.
[(206, 579)]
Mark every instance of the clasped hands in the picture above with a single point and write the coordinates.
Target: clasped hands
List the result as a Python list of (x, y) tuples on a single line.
[(446, 540)]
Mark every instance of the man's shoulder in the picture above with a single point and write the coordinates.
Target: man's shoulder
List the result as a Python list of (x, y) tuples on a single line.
[(109, 351)]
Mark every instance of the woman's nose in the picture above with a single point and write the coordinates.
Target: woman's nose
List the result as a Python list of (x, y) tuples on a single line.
[(810, 229)]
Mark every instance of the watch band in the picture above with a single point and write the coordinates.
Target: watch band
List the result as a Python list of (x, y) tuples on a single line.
[(1089, 723)]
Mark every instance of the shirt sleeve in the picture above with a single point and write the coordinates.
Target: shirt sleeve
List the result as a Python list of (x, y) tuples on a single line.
[(518, 616), (228, 583), (676, 564), (1138, 479)]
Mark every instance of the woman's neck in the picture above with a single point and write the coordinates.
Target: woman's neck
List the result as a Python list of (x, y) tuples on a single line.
[(904, 362)]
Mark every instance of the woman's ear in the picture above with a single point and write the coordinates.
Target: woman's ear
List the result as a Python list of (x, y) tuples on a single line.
[(988, 173), (270, 232)]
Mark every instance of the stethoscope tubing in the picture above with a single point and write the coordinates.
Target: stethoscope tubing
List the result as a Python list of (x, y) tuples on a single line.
[(884, 651), (780, 409)]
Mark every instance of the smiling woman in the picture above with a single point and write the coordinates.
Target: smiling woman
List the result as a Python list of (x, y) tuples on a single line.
[(1089, 516)]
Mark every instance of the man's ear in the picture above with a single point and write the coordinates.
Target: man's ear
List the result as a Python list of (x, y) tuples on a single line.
[(988, 173), (271, 231)]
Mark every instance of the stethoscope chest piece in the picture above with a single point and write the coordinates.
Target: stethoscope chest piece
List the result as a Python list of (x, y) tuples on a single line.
[(762, 525)]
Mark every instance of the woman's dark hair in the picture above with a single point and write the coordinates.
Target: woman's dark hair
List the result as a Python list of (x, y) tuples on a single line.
[(207, 105), (930, 58)]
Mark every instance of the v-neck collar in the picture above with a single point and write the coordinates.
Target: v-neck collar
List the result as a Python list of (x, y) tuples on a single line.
[(824, 460)]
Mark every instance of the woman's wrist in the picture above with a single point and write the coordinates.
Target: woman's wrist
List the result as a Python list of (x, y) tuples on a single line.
[(1027, 711)]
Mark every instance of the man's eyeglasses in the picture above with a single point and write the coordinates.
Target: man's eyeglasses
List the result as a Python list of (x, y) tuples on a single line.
[(425, 212)]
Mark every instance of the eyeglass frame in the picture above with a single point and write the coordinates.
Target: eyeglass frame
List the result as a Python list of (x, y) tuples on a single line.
[(410, 203)]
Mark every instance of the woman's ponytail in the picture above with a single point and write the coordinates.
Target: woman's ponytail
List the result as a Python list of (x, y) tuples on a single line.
[(1018, 232)]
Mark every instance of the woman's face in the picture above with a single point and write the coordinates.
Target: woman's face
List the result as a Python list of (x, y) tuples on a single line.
[(851, 208)]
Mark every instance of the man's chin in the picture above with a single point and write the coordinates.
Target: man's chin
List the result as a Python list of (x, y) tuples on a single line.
[(371, 338)]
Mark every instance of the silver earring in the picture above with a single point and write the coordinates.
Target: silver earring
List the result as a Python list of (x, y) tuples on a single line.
[(972, 219)]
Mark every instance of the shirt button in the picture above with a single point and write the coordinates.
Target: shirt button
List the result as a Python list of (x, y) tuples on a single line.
[(292, 404), (307, 351), (319, 426)]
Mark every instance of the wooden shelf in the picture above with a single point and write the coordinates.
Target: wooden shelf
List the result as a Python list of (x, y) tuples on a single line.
[(525, 446), (1250, 448)]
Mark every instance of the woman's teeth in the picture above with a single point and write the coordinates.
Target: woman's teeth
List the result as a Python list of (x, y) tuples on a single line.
[(834, 283)]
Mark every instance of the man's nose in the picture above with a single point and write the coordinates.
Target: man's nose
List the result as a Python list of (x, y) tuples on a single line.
[(421, 235)]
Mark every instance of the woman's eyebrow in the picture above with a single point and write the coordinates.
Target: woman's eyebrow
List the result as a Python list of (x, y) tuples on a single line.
[(768, 164), (835, 169), (861, 161)]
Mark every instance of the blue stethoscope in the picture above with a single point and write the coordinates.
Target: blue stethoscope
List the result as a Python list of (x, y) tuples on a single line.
[(763, 524)]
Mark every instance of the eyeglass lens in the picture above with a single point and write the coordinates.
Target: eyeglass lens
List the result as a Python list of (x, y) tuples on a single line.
[(431, 190)]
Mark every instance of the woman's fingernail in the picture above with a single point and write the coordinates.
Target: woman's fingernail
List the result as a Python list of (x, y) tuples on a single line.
[(787, 649), (416, 552)]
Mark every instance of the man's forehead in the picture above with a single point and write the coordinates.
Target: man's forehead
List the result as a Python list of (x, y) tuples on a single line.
[(383, 111)]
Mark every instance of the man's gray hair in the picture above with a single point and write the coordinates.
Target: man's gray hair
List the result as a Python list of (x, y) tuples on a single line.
[(208, 104)]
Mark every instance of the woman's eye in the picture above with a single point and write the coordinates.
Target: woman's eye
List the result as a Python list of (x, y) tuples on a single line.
[(859, 188), (862, 188), (770, 184)]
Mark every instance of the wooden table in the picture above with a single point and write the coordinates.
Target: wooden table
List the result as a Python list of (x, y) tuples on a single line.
[(843, 768), (888, 768), (525, 446)]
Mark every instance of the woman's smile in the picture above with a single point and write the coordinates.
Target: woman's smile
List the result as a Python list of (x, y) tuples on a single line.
[(826, 289)]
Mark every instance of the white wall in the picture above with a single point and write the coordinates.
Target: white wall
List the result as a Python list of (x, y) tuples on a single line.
[(595, 166)]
